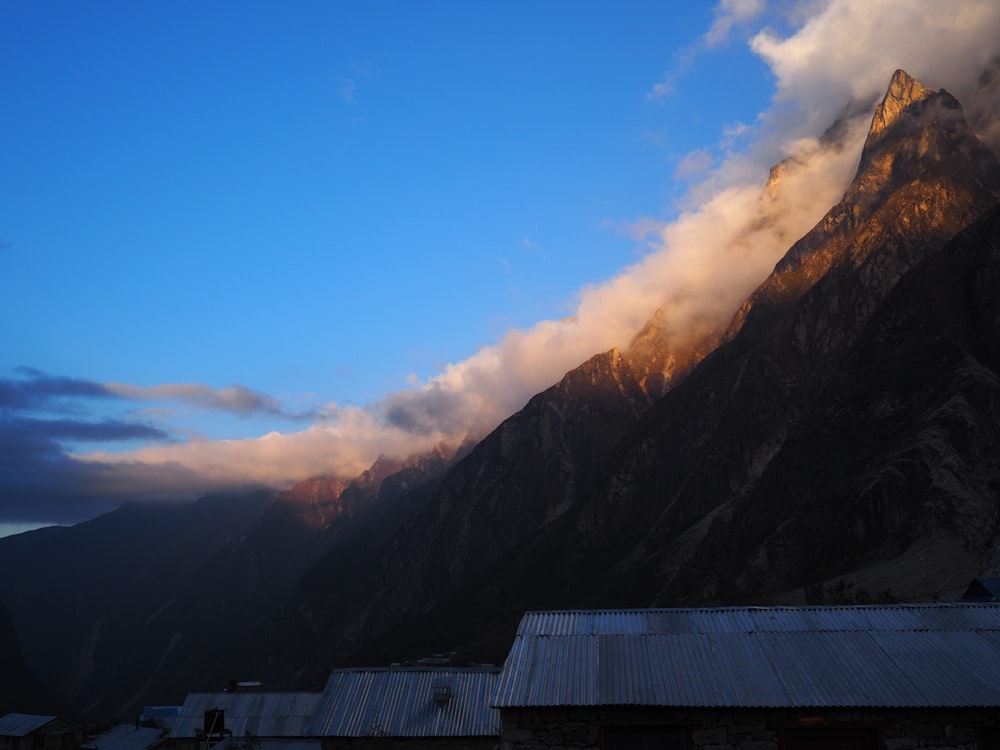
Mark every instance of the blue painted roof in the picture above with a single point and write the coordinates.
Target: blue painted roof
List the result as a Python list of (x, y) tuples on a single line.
[(409, 702), (125, 737), (877, 656), (19, 725), (257, 714)]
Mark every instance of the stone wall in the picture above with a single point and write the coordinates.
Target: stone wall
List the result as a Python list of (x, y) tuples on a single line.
[(750, 729)]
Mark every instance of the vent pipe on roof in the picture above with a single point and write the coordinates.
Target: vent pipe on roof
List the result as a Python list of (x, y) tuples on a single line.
[(442, 695)]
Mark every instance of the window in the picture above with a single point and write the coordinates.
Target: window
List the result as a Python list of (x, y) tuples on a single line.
[(38, 742), (644, 738)]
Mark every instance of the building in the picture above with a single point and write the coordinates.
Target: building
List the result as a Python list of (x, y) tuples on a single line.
[(432, 708), (903, 677), (31, 732), (244, 721)]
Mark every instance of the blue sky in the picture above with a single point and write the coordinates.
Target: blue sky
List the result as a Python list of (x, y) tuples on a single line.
[(220, 221)]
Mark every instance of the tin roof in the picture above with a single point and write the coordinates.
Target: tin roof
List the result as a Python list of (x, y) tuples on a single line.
[(874, 656), (125, 737), (271, 743), (257, 714), (19, 725), (409, 702)]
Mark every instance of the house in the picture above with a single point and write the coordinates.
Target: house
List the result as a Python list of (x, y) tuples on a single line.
[(31, 732), (437, 708), (244, 721), (902, 677)]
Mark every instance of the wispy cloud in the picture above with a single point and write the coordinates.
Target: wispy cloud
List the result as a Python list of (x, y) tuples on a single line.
[(35, 389), (347, 85), (726, 16), (694, 165), (346, 88), (234, 399)]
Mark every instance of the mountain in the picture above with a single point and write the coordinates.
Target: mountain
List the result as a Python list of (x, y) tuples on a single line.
[(837, 441), (150, 602), (745, 481)]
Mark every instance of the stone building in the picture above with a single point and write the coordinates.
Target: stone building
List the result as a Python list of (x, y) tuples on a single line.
[(905, 677)]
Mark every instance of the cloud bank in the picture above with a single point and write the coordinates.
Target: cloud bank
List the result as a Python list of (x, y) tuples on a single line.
[(833, 64)]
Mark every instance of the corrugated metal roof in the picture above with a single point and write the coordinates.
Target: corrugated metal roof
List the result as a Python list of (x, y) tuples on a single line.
[(875, 656), (124, 737), (258, 714), (400, 702), (270, 743), (19, 725)]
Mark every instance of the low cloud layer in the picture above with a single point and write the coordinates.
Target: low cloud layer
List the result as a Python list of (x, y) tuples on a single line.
[(834, 64)]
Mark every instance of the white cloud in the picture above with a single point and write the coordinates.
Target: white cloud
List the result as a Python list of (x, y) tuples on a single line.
[(694, 165), (849, 49), (727, 15)]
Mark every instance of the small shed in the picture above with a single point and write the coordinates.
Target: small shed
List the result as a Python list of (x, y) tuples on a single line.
[(34, 732), (901, 677), (430, 708)]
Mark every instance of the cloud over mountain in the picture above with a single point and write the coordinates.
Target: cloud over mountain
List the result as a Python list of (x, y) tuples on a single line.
[(697, 269)]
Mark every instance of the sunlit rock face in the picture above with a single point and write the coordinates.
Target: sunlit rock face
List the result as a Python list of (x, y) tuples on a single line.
[(923, 176), (770, 479)]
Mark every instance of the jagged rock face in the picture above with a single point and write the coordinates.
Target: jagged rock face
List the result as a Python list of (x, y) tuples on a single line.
[(923, 177), (659, 359), (320, 501), (703, 472)]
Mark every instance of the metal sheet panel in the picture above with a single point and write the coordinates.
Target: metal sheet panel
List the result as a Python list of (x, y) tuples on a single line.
[(258, 714), (20, 725), (400, 702), (896, 656), (125, 737)]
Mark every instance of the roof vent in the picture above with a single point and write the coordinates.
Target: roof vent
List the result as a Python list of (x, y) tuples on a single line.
[(442, 694)]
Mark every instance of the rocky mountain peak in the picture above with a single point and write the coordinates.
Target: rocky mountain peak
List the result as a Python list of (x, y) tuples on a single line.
[(903, 91)]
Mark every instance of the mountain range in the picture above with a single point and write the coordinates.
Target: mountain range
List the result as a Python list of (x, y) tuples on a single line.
[(837, 442)]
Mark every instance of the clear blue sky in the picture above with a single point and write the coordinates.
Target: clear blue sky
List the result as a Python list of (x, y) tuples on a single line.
[(323, 202)]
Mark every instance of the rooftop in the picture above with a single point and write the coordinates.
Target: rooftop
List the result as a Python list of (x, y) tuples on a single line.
[(873, 656)]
